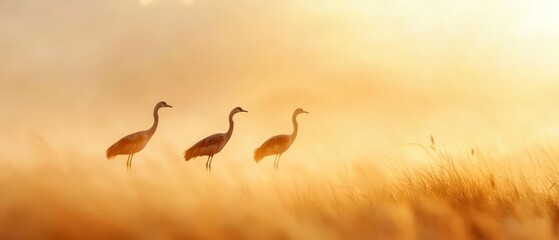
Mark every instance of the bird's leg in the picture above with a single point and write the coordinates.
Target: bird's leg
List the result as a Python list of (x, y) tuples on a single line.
[(128, 163), (277, 165), (131, 156), (276, 162), (211, 160), (207, 163)]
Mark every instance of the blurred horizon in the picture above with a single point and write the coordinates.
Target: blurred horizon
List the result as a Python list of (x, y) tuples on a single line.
[(375, 75)]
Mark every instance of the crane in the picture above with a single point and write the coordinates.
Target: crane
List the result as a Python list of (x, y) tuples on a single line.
[(277, 145), (135, 142), (213, 144)]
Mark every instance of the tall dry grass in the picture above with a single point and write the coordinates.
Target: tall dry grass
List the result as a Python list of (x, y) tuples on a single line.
[(457, 194)]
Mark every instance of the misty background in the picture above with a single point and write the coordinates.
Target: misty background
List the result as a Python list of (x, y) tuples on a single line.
[(76, 76)]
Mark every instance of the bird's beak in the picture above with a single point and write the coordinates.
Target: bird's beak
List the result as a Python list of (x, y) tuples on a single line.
[(169, 106), (242, 110), (305, 112)]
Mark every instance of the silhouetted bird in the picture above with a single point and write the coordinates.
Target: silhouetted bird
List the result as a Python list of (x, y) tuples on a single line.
[(213, 144), (135, 142), (277, 145)]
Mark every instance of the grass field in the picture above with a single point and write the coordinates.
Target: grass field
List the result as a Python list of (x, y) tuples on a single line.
[(455, 195)]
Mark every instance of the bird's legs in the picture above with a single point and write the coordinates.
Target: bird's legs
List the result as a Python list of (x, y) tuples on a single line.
[(209, 164)]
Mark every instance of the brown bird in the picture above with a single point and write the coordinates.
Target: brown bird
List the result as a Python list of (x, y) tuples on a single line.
[(277, 145), (213, 144), (135, 142)]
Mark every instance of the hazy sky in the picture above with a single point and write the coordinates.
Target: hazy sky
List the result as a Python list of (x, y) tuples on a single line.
[(79, 75)]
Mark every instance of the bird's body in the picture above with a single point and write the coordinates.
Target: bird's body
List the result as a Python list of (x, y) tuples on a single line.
[(208, 146), (273, 146), (277, 145), (213, 144), (135, 142), (130, 144)]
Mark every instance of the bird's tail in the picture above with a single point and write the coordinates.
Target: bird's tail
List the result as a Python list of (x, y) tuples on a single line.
[(188, 154), (258, 154), (111, 152)]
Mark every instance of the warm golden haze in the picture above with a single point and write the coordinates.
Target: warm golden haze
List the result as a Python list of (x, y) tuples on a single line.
[(377, 73), (378, 76)]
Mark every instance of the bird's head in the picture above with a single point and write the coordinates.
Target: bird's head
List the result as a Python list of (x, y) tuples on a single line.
[(238, 110), (299, 111), (163, 104)]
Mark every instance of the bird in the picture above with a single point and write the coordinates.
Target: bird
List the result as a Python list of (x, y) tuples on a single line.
[(135, 142), (277, 145), (213, 144)]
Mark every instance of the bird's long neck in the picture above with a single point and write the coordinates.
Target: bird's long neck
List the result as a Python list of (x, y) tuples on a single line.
[(231, 125), (153, 127), (295, 127)]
